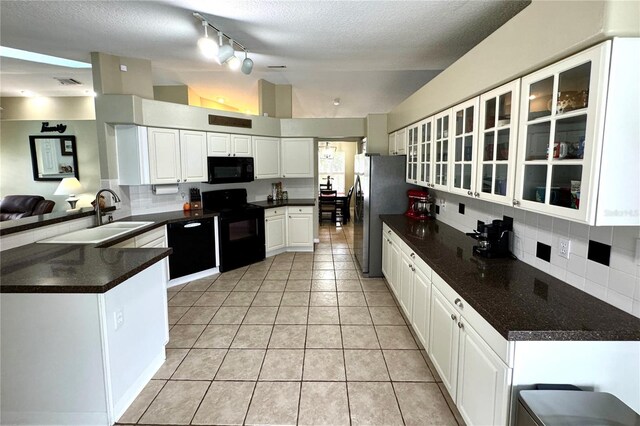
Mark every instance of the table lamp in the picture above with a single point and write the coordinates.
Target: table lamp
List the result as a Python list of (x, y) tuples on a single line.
[(70, 187)]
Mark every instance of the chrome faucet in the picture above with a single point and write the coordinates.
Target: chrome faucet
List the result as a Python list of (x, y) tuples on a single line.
[(99, 212)]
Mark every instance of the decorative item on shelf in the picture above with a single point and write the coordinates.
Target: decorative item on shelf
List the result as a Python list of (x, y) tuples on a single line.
[(70, 187), (276, 191)]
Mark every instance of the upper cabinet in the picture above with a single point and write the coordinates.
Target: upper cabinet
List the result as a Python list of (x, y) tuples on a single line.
[(164, 156), (227, 145), (425, 153), (297, 157), (442, 124), (465, 136), (398, 142), (571, 163), (496, 150), (193, 156), (266, 153), (412, 153)]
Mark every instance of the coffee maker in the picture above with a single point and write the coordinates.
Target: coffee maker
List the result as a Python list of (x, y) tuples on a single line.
[(493, 238), (419, 204)]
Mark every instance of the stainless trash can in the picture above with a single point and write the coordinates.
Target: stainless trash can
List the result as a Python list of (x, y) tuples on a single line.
[(561, 407)]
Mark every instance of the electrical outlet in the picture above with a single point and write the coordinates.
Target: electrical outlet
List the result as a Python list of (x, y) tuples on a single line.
[(123, 68), (564, 248), (118, 318)]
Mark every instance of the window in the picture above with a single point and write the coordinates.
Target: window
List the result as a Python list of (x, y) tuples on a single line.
[(333, 166)]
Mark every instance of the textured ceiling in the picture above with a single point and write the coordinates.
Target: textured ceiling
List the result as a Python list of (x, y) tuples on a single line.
[(370, 54)]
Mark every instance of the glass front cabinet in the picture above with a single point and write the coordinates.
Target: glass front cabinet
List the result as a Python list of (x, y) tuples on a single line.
[(465, 126), (412, 153), (425, 153), (495, 172), (441, 141)]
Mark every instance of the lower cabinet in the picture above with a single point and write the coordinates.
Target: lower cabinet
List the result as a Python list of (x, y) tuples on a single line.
[(443, 341), (288, 228), (154, 238), (274, 229), (405, 287), (421, 311), (300, 227)]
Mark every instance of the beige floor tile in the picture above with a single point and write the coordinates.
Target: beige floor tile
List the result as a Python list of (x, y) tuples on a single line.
[(373, 403), (344, 265), (300, 275), (246, 284), (261, 315), (323, 315), (340, 251), (359, 337), (240, 298), (347, 275), (200, 364), (407, 366), (295, 298), (171, 294), (212, 298), (273, 285), (348, 285), (140, 404), (267, 298), (288, 337), (198, 315), (432, 367), (323, 285), (395, 337), (282, 365), (323, 365), (224, 285), (324, 336), (185, 298), (298, 285), (292, 315), (386, 315), (176, 312), (324, 403), (277, 275), (274, 403), (379, 298), (256, 274), (302, 265), (201, 284), (322, 274), (323, 258), (171, 363), (176, 403), (423, 404), (184, 336), (303, 256), (351, 298), (241, 364), (323, 266), (252, 337), (451, 404), (342, 258), (323, 298), (365, 365), (281, 266), (374, 284), (225, 403), (353, 315), (217, 336), (229, 315)]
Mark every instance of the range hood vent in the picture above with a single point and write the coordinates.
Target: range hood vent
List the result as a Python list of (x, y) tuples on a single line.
[(68, 81)]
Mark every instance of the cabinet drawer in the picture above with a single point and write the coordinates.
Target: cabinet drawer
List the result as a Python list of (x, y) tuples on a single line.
[(160, 242), (300, 209), (278, 211), (496, 342), (130, 243), (147, 237)]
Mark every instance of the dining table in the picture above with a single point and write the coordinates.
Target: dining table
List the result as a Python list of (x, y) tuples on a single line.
[(341, 200)]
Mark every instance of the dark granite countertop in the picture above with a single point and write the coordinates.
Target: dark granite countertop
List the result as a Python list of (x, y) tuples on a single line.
[(518, 300), (289, 202)]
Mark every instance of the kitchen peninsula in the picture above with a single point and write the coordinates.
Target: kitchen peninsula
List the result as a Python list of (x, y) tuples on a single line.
[(83, 329)]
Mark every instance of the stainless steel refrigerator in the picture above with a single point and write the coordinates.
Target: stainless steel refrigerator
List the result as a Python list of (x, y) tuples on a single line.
[(379, 188)]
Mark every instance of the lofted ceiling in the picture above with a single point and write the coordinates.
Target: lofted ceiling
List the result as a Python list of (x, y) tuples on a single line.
[(370, 54)]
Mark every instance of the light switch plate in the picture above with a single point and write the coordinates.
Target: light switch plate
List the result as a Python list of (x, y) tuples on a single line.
[(564, 248), (123, 68)]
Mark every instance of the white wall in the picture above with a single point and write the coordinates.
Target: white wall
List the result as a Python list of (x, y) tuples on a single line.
[(617, 284)]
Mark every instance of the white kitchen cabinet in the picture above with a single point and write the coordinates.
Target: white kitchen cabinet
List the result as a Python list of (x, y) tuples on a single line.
[(391, 259), (425, 153), (577, 120), (164, 156), (297, 157), (275, 229), (266, 153), (405, 284), (300, 227), (441, 141), (397, 142), (193, 155), (228, 145), (496, 151), (465, 141), (443, 340), (421, 303), (412, 153), (386, 256)]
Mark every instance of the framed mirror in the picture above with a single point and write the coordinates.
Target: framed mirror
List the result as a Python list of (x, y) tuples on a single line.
[(54, 157)]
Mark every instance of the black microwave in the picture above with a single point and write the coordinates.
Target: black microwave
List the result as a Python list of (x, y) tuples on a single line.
[(230, 169)]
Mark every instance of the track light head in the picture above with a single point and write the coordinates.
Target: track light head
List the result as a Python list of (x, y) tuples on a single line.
[(247, 64), (208, 47), (234, 63), (225, 53)]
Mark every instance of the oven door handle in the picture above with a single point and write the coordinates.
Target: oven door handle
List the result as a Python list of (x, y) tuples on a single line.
[(192, 224)]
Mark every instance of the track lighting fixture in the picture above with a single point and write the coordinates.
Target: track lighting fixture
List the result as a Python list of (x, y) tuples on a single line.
[(223, 53)]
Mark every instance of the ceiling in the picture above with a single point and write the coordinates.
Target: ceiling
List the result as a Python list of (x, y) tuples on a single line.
[(370, 54)]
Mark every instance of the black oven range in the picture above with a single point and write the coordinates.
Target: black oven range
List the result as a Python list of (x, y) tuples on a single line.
[(240, 227)]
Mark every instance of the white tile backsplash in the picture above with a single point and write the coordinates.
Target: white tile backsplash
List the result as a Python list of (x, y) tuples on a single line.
[(617, 284)]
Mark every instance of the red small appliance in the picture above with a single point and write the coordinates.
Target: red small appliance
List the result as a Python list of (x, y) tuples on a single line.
[(419, 204)]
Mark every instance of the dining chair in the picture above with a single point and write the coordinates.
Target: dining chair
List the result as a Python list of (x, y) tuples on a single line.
[(327, 205)]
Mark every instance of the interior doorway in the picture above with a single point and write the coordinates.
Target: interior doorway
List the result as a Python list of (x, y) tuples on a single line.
[(336, 178)]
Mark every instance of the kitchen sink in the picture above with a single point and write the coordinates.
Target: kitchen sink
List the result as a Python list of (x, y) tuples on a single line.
[(96, 235)]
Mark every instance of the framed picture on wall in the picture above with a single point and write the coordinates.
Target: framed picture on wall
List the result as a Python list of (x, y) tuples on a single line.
[(66, 147)]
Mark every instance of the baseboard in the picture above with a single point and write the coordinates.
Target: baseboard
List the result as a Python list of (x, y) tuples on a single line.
[(177, 281), (53, 418)]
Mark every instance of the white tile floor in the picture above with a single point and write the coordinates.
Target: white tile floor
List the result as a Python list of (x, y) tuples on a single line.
[(296, 339)]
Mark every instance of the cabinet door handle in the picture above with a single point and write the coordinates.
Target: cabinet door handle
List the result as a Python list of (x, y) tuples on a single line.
[(266, 220), (410, 266), (234, 155), (516, 202), (388, 232), (413, 255), (229, 155), (476, 194), (178, 180), (453, 317), (458, 302), (460, 325), (469, 193)]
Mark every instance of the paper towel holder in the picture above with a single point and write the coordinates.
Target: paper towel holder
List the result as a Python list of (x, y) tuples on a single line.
[(165, 189)]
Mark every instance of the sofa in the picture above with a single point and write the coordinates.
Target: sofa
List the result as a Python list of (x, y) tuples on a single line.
[(18, 206)]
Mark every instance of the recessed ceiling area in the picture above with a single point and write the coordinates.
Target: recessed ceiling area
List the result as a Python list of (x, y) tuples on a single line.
[(370, 54)]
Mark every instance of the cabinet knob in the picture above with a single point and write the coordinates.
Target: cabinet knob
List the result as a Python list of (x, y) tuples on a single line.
[(460, 325), (410, 266), (458, 302), (284, 175), (228, 155), (388, 232), (234, 155), (289, 216), (469, 193), (300, 210), (184, 180), (413, 255), (516, 202), (266, 220), (389, 241), (453, 317), (178, 180), (477, 194)]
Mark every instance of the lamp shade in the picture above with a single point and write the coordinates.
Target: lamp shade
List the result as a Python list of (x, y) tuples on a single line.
[(208, 47), (247, 66), (234, 63), (69, 186), (225, 53)]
